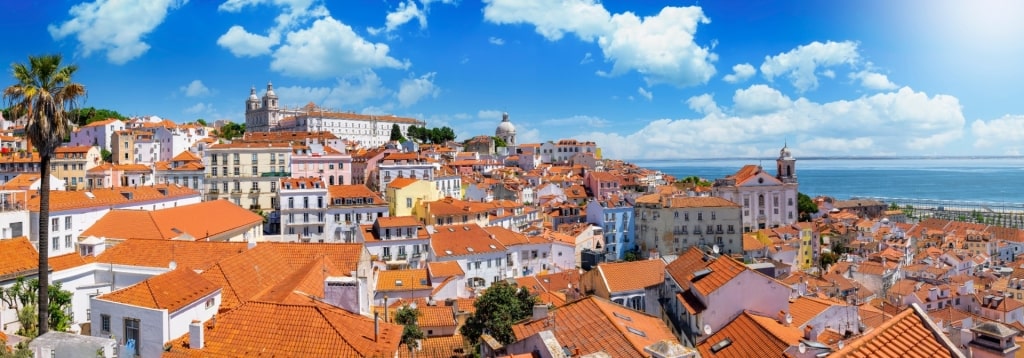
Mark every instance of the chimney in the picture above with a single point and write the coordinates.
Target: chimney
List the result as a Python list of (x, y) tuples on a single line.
[(376, 325), (933, 294), (808, 330), (540, 311), (195, 335)]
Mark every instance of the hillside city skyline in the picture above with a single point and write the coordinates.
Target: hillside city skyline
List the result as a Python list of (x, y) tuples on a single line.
[(685, 80)]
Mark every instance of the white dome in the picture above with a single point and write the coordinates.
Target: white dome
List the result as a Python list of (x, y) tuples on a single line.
[(252, 94), (505, 127)]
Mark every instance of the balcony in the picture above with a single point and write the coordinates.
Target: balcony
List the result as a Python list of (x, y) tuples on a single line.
[(401, 257), (213, 191), (416, 255), (386, 257), (236, 191), (276, 174), (254, 191)]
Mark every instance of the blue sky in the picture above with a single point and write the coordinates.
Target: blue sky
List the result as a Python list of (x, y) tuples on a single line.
[(645, 79)]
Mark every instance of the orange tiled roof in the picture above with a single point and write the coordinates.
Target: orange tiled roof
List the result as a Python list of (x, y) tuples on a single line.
[(445, 269), (436, 316), (632, 275), (595, 324), (353, 191), (304, 282), (159, 253), (403, 280), (397, 221), (170, 223), (457, 240), (68, 200), (805, 308), (68, 261), (910, 333), (683, 267), (170, 291), (312, 329), (400, 183), (723, 269), (751, 336), (19, 257)]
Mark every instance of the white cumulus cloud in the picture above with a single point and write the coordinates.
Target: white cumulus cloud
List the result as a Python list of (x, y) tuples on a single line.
[(404, 13), (904, 121), (1005, 131), (330, 48), (759, 99), (198, 108), (740, 73), (661, 48), (645, 93), (496, 41), (704, 104), (873, 80), (242, 43), (114, 27), (413, 89), (800, 65), (195, 88), (347, 91)]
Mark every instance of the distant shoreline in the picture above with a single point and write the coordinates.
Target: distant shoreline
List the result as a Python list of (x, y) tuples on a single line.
[(902, 157)]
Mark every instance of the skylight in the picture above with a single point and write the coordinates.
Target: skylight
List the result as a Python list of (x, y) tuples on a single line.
[(398, 282), (721, 345), (470, 249), (449, 252), (622, 316), (636, 331)]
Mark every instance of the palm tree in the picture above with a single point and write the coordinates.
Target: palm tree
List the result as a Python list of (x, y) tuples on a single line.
[(45, 94)]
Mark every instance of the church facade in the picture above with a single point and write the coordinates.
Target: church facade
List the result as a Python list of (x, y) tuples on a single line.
[(265, 114), (766, 200)]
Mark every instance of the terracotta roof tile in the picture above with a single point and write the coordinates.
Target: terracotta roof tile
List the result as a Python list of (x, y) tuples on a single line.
[(304, 282), (805, 308), (68, 200), (632, 275), (352, 191), (266, 329), (159, 253), (751, 336), (439, 347), (170, 291), (683, 267), (174, 222), (445, 269), (723, 269), (459, 240), (594, 325), (436, 316), (403, 280), (909, 333), (19, 257), (68, 261)]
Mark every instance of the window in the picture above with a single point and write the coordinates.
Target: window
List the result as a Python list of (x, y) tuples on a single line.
[(210, 302), (131, 332), (67, 241), (55, 224), (291, 203), (255, 170), (408, 202), (105, 323), (55, 243), (67, 222)]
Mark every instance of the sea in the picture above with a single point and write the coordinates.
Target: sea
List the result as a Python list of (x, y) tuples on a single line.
[(973, 179)]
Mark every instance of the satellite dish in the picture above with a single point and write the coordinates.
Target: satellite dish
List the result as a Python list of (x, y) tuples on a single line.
[(173, 265), (716, 249), (841, 344), (707, 329), (789, 319), (802, 347)]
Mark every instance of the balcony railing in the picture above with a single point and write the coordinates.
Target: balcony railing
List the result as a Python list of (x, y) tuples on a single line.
[(401, 256), (254, 190), (214, 191), (386, 257), (236, 191)]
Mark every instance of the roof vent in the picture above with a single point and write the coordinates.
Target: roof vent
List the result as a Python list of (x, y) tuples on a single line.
[(465, 228), (493, 247), (398, 282), (721, 345), (448, 252), (470, 249)]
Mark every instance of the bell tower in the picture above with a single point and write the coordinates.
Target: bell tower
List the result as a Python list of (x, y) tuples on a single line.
[(785, 166)]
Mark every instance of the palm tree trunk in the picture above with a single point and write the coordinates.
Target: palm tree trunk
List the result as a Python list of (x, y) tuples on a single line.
[(44, 245)]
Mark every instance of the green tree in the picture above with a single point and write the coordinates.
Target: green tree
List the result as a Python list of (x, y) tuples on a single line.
[(83, 116), (106, 155), (498, 142), (46, 93), (805, 206), (22, 297), (411, 333), (201, 122), (396, 133), (231, 131), (497, 309)]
